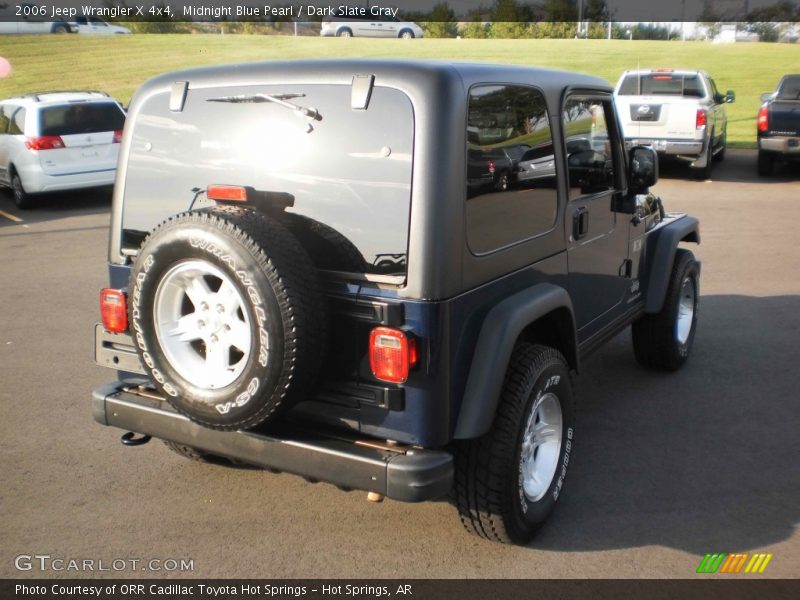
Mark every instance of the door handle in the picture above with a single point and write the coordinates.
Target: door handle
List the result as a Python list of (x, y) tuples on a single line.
[(580, 223)]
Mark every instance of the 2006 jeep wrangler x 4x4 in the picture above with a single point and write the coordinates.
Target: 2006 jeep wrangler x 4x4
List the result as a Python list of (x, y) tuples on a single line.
[(313, 270)]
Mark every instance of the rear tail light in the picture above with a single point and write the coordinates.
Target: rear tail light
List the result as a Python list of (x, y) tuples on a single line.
[(235, 193), (763, 119), (114, 310), (491, 167), (44, 142), (701, 118), (117, 137), (391, 354)]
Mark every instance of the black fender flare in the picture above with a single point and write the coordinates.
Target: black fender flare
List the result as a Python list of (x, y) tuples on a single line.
[(500, 331), (660, 259)]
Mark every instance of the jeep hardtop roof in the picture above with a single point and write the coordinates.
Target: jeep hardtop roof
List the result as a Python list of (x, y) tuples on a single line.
[(419, 72)]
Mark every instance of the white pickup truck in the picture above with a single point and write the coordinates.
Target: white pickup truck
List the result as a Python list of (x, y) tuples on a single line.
[(681, 114)]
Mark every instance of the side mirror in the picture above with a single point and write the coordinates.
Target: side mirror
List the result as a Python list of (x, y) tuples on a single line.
[(730, 96), (643, 169)]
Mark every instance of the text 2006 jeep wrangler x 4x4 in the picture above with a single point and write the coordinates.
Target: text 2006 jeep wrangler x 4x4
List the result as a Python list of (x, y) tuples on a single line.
[(305, 277)]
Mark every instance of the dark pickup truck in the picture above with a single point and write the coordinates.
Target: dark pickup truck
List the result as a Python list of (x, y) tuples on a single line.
[(779, 125)]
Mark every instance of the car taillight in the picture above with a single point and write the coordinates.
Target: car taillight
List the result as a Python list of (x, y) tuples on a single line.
[(491, 167), (114, 310), (44, 142), (763, 118), (391, 354), (700, 119), (234, 193), (117, 137)]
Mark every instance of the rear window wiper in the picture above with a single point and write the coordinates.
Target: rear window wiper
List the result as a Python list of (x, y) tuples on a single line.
[(279, 99)]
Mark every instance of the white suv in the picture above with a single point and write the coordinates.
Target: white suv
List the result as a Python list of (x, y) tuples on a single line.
[(57, 141)]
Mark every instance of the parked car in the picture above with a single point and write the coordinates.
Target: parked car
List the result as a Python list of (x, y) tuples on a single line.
[(779, 125), (369, 26), (53, 141), (96, 26), (28, 19), (300, 278), (681, 114)]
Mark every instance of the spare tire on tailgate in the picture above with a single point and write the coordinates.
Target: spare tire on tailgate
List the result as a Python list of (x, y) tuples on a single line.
[(227, 315)]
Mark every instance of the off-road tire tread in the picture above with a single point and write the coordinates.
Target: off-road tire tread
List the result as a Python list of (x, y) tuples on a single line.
[(295, 282), (188, 451), (481, 464)]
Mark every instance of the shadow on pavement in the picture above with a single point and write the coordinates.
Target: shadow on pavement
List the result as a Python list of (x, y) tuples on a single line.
[(701, 460), (739, 166), (50, 207)]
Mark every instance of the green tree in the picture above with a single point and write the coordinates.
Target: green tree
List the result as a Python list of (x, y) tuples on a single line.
[(475, 30), (441, 23)]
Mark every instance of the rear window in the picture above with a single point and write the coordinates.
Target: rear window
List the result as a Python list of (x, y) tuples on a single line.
[(789, 88), (71, 119), (340, 183), (662, 84)]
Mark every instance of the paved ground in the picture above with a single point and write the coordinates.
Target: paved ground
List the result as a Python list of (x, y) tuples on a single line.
[(667, 467)]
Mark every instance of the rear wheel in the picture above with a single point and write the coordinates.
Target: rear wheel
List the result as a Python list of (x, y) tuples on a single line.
[(189, 452), (766, 163), (704, 173), (508, 481), (22, 199), (663, 340), (227, 315), (501, 185)]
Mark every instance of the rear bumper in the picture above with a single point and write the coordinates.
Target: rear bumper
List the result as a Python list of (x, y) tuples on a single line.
[(399, 472), (782, 144), (670, 147), (35, 181)]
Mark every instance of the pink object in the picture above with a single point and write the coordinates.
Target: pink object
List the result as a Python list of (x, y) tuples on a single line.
[(5, 67)]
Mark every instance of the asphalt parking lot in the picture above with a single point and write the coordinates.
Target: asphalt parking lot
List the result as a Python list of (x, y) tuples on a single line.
[(667, 467)]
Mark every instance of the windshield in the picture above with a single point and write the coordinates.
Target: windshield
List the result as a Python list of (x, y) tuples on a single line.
[(71, 119), (661, 84)]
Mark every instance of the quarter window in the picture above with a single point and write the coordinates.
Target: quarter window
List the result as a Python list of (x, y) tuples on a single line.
[(16, 125), (589, 153), (511, 172)]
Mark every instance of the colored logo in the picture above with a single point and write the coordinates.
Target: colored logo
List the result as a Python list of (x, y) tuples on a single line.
[(742, 562)]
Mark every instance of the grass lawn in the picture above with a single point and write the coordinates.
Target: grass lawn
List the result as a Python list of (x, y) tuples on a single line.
[(119, 64)]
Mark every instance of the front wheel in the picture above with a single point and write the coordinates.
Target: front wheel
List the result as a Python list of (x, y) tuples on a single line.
[(508, 481), (663, 340), (407, 34), (345, 33)]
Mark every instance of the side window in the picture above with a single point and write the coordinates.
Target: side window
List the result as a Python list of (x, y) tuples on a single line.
[(714, 91), (511, 173), (590, 158), (5, 117), (16, 126)]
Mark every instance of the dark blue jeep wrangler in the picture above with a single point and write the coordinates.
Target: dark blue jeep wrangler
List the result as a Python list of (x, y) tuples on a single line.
[(305, 277)]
